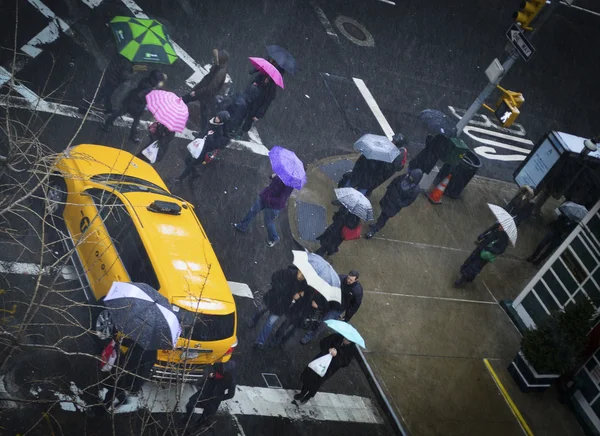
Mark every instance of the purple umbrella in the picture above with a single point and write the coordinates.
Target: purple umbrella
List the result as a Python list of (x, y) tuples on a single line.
[(288, 167)]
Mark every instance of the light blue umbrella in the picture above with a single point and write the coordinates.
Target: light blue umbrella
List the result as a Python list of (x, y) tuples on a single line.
[(347, 331)]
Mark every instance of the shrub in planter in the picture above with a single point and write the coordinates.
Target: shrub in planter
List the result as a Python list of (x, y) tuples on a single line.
[(556, 346)]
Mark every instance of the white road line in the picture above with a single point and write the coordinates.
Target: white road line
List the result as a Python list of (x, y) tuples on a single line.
[(92, 3), (325, 21), (388, 2), (385, 126), (240, 289), (49, 34), (248, 400), (581, 9), (430, 297)]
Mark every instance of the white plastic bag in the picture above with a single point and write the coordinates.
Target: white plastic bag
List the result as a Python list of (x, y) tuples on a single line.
[(151, 152), (196, 146), (321, 364)]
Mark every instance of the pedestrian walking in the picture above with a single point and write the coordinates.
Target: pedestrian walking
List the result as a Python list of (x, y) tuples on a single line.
[(368, 174), (400, 193), (352, 295), (219, 385), (240, 108), (343, 223), (342, 352), (286, 284), (306, 310), (271, 200), (209, 87), (135, 102), (267, 93), (129, 373), (520, 207), (160, 134), (118, 71), (214, 140), (492, 245), (559, 230)]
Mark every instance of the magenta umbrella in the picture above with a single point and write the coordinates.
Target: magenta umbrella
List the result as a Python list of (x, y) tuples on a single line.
[(288, 167), (269, 69), (168, 109)]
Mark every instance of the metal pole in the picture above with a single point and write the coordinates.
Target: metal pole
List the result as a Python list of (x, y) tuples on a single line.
[(508, 63)]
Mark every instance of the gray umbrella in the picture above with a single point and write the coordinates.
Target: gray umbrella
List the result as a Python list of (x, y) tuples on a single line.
[(376, 147), (438, 122), (319, 274), (575, 212), (356, 203), (141, 313)]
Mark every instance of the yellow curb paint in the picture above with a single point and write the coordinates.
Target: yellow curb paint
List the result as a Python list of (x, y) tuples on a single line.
[(509, 401)]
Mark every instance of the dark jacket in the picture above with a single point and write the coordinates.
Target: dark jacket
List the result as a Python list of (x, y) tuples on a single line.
[(210, 85), (217, 139), (284, 285), (401, 192), (331, 238), (345, 354), (137, 362), (240, 107), (495, 242), (275, 196), (369, 174), (164, 137), (136, 99), (302, 308), (351, 297), (118, 71), (268, 92)]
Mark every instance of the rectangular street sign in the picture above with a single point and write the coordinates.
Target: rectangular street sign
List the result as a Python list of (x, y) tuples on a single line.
[(518, 40)]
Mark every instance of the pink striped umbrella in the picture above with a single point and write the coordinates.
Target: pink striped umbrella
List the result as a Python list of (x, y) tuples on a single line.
[(168, 109), (268, 68)]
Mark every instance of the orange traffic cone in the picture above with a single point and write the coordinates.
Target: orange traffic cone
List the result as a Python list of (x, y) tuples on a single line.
[(436, 194)]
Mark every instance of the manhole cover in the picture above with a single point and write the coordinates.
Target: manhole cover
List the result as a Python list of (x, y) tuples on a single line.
[(354, 31), (272, 380), (312, 220)]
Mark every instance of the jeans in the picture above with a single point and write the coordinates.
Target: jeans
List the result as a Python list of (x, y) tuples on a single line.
[(332, 314), (269, 216), (267, 328)]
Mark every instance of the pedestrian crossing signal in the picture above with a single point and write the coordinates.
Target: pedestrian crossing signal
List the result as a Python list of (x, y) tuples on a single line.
[(507, 106), (528, 10)]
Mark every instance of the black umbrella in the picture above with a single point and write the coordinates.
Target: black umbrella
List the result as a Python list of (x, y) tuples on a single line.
[(283, 58), (141, 313), (438, 122)]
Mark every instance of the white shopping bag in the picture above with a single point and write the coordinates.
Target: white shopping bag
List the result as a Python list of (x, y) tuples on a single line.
[(151, 152), (321, 364), (196, 146)]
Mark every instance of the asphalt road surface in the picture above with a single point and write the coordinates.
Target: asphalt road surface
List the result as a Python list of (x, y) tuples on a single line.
[(365, 66)]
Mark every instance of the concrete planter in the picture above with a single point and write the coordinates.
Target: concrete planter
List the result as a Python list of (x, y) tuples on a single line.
[(528, 379)]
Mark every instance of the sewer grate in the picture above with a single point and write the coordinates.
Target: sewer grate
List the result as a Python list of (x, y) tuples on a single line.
[(335, 170), (312, 220), (272, 380)]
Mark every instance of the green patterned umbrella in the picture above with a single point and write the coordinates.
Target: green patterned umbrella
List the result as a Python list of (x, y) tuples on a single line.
[(143, 40)]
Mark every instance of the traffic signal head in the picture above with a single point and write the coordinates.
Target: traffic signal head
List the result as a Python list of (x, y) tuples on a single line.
[(528, 10), (507, 107)]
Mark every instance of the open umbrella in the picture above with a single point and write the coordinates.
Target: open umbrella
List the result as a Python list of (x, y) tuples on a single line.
[(288, 167), (143, 40), (438, 122), (346, 330), (319, 274), (506, 221), (356, 203), (141, 313), (377, 147), (575, 212), (168, 109), (283, 58), (269, 69)]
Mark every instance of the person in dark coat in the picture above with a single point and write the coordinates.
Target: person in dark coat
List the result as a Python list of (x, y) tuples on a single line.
[(342, 350), (368, 174), (239, 108), (135, 102), (160, 133), (307, 305), (215, 140), (118, 71), (129, 373), (520, 207), (219, 385), (260, 106), (207, 89), (559, 230), (492, 245), (400, 193), (332, 237), (271, 200), (352, 294), (286, 284)]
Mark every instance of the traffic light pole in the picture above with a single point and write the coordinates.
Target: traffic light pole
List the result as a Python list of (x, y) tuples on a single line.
[(508, 63)]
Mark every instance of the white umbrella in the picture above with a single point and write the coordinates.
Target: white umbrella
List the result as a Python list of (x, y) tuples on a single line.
[(356, 203), (376, 147), (506, 221), (319, 274)]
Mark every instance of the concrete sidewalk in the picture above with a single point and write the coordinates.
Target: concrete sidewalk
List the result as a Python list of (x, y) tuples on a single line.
[(427, 341)]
